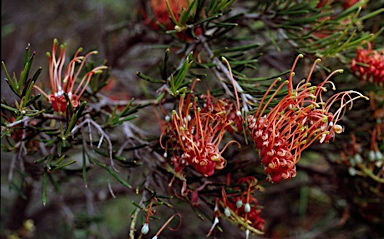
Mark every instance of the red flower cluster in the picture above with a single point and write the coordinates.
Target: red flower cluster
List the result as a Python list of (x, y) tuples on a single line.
[(298, 120), (162, 14), (64, 82), (196, 133), (243, 209), (347, 3), (230, 113), (369, 65), (162, 17)]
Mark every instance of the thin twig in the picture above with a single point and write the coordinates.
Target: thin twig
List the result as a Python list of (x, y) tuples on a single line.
[(103, 135), (219, 65), (23, 120), (137, 211)]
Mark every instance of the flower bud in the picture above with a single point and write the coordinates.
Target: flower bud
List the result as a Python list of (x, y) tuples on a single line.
[(145, 229), (247, 207), (227, 212), (239, 203)]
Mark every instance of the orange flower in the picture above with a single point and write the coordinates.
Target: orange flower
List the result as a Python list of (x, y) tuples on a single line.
[(64, 82), (298, 120), (195, 134)]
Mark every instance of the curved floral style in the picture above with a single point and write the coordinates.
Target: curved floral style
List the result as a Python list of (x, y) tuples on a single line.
[(64, 82), (298, 120)]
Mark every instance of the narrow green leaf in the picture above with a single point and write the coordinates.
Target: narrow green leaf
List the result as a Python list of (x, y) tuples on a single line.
[(240, 48), (165, 66), (33, 100), (59, 160), (5, 71), (84, 168), (350, 10), (173, 18), (11, 81), (49, 161), (80, 110), (184, 14), (148, 78), (136, 205), (372, 14), (44, 188), (160, 97), (64, 165), (199, 8), (34, 112), (177, 82), (125, 110), (27, 68), (38, 161), (215, 16), (69, 107), (113, 173), (9, 108)]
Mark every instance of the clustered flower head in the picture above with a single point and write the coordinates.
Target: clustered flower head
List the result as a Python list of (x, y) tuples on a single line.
[(240, 206), (195, 133), (369, 65), (63, 82), (299, 119)]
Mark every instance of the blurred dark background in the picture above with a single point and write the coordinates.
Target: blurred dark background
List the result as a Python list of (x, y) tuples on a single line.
[(315, 204)]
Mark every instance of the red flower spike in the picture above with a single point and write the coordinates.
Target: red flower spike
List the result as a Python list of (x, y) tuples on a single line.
[(298, 120), (196, 133), (369, 65), (64, 82)]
